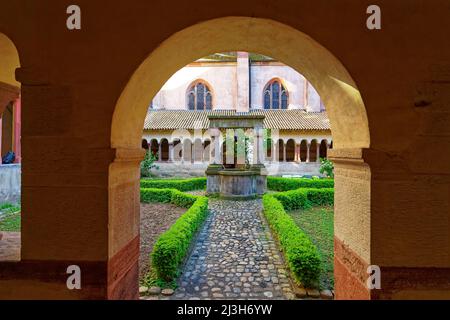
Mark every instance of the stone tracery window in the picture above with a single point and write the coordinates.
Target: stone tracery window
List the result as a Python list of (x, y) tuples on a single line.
[(275, 95), (199, 97)]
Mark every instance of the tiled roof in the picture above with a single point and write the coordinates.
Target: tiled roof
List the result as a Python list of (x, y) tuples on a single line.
[(232, 57), (274, 119)]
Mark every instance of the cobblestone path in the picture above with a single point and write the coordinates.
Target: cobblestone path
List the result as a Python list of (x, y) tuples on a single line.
[(235, 257)]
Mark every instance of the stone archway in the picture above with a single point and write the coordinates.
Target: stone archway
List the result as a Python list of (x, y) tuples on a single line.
[(9, 98), (339, 92), (290, 150), (10, 141)]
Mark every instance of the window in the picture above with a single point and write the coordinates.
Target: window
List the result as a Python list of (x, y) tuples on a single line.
[(275, 96), (199, 97)]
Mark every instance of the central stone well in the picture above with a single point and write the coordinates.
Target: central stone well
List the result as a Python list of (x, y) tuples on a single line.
[(237, 170), (236, 183)]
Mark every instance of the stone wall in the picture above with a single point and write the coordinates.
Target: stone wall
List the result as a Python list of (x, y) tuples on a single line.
[(222, 80), (10, 183)]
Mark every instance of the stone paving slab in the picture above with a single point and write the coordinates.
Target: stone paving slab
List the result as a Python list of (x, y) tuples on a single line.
[(234, 257)]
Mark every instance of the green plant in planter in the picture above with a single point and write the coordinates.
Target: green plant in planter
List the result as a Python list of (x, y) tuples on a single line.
[(148, 163), (327, 167)]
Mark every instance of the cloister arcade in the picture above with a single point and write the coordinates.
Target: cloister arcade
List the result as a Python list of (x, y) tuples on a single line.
[(198, 150)]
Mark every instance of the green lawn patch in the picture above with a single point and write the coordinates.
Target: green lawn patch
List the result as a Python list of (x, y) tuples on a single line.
[(9, 217), (317, 223)]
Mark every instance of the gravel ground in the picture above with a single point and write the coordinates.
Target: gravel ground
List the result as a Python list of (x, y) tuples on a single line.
[(155, 219)]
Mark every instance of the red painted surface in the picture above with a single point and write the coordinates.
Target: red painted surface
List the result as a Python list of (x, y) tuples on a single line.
[(123, 272), (17, 110), (1, 121), (38, 279), (349, 273), (347, 285)]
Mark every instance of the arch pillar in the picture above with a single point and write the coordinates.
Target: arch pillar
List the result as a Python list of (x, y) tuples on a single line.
[(275, 151), (351, 224), (317, 151), (297, 152), (308, 147), (171, 147), (123, 237)]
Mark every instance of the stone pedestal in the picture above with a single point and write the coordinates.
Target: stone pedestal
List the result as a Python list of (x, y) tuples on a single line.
[(236, 183)]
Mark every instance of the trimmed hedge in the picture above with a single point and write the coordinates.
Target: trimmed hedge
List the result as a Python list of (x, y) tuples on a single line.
[(320, 197), (173, 196), (301, 254), (179, 184), (156, 195), (304, 198), (293, 199), (172, 246), (182, 199), (286, 184)]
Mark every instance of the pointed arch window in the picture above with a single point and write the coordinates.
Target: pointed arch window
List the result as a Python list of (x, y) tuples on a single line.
[(199, 97), (275, 95)]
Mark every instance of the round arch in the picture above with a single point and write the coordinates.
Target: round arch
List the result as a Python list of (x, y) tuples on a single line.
[(345, 108), (10, 134), (290, 150), (9, 62)]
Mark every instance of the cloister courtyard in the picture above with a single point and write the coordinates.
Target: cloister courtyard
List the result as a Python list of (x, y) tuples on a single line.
[(234, 254), (253, 150), (236, 251)]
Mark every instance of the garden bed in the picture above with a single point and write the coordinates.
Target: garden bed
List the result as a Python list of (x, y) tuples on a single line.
[(156, 218), (171, 248), (9, 217), (317, 223), (302, 220)]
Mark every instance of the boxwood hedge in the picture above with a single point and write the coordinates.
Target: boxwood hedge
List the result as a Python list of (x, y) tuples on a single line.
[(304, 198), (301, 254), (285, 184), (294, 199), (173, 196), (172, 247), (320, 197), (179, 184)]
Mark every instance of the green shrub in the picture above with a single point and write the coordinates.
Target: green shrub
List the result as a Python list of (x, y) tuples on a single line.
[(179, 184), (182, 199), (156, 195), (320, 197), (173, 196), (285, 184), (327, 167), (293, 199), (172, 246), (301, 254), (148, 164)]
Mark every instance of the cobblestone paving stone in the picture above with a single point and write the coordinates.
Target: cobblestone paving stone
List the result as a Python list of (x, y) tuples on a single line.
[(234, 257)]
